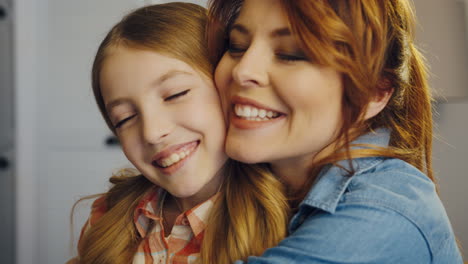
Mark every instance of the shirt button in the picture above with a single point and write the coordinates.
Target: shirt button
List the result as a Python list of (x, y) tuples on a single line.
[(302, 219)]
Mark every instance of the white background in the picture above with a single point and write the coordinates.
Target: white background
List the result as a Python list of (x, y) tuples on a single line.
[(61, 154)]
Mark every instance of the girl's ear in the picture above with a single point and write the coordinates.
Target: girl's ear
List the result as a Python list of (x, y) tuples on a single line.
[(380, 100)]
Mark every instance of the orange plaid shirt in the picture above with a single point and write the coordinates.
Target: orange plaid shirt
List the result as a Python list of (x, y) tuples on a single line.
[(181, 246)]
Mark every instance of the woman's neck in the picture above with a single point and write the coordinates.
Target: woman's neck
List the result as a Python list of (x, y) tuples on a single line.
[(294, 172)]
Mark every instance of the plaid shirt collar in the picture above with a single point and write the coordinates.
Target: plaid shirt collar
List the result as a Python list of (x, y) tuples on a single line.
[(148, 209)]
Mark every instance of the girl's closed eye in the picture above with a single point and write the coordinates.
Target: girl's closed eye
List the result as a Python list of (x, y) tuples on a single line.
[(120, 123), (177, 95)]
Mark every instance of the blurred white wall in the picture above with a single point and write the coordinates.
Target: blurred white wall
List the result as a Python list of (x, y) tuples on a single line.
[(61, 153), (443, 37), (26, 72)]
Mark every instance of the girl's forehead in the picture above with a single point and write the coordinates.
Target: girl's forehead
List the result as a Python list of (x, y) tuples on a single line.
[(134, 68)]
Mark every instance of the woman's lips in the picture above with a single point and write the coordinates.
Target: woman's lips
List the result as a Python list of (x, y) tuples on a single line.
[(249, 114), (244, 101), (243, 123)]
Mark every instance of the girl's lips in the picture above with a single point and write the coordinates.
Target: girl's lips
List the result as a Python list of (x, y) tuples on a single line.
[(173, 149), (190, 147)]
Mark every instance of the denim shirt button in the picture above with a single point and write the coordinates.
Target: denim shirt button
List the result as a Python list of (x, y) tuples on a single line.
[(302, 219)]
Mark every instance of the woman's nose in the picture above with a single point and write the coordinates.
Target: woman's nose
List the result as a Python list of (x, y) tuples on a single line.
[(252, 68)]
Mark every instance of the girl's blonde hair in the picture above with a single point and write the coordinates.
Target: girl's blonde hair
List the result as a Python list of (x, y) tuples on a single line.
[(251, 213), (371, 43)]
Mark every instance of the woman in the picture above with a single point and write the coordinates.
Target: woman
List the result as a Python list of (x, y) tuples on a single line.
[(333, 96), (152, 81)]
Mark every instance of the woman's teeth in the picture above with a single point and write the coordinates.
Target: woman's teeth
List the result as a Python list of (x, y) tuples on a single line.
[(173, 158), (254, 114)]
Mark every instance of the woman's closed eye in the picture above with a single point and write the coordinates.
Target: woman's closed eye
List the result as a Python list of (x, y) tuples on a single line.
[(177, 95), (123, 121), (291, 57), (236, 49)]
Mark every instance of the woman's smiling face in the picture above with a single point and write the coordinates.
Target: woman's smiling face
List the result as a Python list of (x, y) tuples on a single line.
[(282, 108), (168, 119)]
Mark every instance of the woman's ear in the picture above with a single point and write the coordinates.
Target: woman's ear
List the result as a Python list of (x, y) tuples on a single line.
[(379, 101)]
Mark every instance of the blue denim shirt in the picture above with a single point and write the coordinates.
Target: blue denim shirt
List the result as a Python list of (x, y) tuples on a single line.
[(388, 212)]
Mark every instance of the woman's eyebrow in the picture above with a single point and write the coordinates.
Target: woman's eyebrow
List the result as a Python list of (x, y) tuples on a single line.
[(276, 33), (239, 28), (280, 32)]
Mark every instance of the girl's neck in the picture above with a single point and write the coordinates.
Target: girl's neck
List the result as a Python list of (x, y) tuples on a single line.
[(210, 189), (172, 207), (169, 213)]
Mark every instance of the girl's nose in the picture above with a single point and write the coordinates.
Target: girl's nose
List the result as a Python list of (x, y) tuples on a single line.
[(155, 128)]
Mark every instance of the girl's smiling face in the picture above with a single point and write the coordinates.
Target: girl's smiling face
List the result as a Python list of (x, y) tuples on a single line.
[(168, 119), (282, 108)]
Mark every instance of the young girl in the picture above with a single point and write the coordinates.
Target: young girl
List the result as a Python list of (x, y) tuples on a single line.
[(333, 96), (152, 81)]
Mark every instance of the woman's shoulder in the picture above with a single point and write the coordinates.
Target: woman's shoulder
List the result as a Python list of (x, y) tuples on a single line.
[(384, 181), (389, 206), (391, 174), (386, 201), (395, 184), (407, 195)]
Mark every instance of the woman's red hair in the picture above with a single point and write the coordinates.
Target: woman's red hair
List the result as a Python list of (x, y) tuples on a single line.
[(371, 43)]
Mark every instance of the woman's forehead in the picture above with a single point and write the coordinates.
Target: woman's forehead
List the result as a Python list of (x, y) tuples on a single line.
[(265, 13)]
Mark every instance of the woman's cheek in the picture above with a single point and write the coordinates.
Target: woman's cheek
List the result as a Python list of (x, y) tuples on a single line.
[(222, 73)]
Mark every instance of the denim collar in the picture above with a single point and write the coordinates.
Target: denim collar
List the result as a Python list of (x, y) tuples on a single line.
[(332, 180)]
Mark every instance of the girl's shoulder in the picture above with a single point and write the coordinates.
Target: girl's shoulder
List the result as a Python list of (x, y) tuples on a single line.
[(98, 209)]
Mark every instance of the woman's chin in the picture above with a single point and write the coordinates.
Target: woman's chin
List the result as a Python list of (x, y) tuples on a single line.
[(245, 156)]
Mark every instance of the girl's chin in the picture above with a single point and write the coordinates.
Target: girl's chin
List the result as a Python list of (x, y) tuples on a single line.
[(182, 194), (187, 192)]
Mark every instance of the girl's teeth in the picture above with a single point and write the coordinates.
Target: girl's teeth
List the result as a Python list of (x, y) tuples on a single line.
[(254, 112), (262, 113), (238, 110), (174, 158), (246, 111)]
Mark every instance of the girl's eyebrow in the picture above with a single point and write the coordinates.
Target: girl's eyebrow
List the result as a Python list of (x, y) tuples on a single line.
[(169, 75), (276, 33), (161, 79), (114, 103)]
